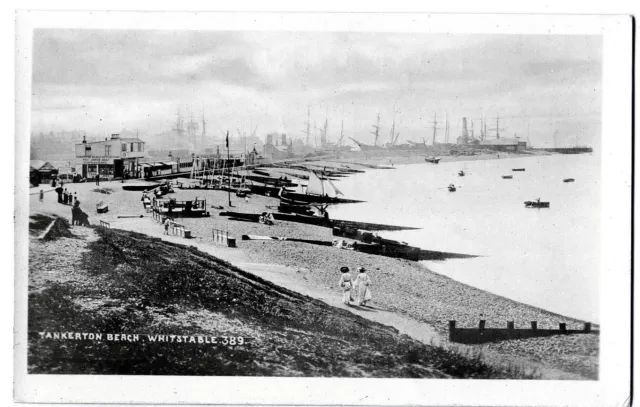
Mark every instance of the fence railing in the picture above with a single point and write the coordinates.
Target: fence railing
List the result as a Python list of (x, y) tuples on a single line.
[(105, 224), (222, 237)]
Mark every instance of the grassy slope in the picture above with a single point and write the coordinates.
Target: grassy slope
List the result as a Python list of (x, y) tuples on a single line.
[(136, 284)]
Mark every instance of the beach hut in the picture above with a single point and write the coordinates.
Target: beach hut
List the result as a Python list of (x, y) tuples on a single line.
[(41, 172)]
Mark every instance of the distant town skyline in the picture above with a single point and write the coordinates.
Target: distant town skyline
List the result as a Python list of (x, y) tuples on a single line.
[(101, 81)]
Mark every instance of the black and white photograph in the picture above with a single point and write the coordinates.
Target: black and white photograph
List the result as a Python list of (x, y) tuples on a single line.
[(331, 197)]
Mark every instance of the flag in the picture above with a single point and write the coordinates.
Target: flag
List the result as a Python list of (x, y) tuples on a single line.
[(227, 140)]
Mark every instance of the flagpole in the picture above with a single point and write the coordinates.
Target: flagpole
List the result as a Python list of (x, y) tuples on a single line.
[(231, 172)]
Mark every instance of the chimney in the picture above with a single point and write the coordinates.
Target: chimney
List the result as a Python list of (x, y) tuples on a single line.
[(84, 139)]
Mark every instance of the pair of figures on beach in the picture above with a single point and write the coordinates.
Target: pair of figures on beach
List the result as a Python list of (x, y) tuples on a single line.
[(360, 285)]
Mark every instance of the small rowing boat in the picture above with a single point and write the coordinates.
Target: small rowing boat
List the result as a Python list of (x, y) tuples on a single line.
[(507, 176), (568, 180), (536, 204), (517, 169)]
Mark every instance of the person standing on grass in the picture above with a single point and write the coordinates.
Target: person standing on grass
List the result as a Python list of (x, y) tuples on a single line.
[(362, 283), (345, 284)]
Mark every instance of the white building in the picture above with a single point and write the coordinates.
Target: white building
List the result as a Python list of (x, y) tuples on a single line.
[(111, 158)]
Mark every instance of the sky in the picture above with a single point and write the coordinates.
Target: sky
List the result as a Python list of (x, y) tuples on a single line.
[(102, 81)]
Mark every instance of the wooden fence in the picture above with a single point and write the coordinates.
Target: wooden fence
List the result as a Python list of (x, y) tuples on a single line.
[(481, 334), (105, 224), (222, 237)]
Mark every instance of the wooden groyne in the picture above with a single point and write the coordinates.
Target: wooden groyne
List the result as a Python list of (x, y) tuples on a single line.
[(318, 221), (482, 334)]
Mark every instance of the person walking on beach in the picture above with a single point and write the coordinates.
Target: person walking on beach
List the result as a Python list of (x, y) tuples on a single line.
[(65, 197), (166, 227), (41, 195), (345, 284), (97, 179), (361, 284), (75, 197)]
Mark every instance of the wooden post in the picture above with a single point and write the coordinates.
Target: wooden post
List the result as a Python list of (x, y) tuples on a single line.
[(563, 328), (587, 327), (510, 325), (481, 326), (534, 325), (452, 328)]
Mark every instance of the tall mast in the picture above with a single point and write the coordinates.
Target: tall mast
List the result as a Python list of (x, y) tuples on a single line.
[(497, 127), (472, 137), (435, 124), (308, 123), (446, 127), (376, 132), (204, 129), (341, 133)]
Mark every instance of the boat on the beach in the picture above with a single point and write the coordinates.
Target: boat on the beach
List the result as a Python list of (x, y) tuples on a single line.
[(451, 188), (536, 204), (102, 207), (568, 180), (319, 221), (461, 173), (517, 169), (140, 186), (507, 176), (317, 191), (433, 160), (172, 207)]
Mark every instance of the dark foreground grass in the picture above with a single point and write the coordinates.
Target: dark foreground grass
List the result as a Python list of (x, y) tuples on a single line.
[(136, 284)]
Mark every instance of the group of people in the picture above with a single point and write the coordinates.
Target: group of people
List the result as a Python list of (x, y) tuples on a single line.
[(359, 286), (66, 197)]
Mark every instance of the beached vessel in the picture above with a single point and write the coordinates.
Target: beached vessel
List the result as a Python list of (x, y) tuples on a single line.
[(568, 180), (461, 173), (102, 207), (517, 169), (172, 207), (507, 176), (536, 204), (433, 160), (317, 191), (451, 188), (140, 186)]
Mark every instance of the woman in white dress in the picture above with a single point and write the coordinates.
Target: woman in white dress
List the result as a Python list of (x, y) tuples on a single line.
[(361, 284), (345, 285)]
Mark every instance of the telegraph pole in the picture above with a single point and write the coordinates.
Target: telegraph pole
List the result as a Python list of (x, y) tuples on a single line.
[(228, 161)]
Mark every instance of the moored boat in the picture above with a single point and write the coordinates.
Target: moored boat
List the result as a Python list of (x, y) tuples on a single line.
[(140, 186), (452, 188), (507, 176), (536, 204), (433, 160), (568, 180), (517, 169)]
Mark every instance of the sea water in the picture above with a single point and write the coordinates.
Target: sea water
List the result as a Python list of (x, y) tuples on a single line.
[(546, 257)]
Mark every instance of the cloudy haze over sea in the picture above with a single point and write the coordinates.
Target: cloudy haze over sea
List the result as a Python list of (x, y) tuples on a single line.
[(104, 80)]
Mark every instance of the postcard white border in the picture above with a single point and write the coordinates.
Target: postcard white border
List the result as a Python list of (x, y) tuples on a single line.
[(613, 385)]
